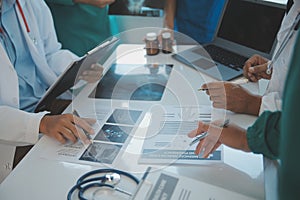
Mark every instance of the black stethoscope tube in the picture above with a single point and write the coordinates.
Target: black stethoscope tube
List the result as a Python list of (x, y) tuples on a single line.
[(83, 180), (23, 16), (101, 171)]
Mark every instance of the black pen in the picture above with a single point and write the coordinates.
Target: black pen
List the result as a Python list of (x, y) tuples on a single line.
[(203, 135), (84, 131)]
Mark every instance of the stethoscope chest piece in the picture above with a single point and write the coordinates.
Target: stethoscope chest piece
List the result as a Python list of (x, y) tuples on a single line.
[(112, 178)]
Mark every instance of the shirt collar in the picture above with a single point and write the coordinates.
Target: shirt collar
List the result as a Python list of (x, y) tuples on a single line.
[(289, 5), (7, 5)]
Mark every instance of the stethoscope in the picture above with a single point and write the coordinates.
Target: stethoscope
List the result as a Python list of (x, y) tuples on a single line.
[(110, 179), (22, 15), (287, 38)]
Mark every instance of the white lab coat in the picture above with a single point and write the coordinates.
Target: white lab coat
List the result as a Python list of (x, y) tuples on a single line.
[(18, 127), (272, 99)]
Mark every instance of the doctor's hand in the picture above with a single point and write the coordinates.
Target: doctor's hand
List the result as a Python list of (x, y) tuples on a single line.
[(97, 3), (232, 136), (211, 142), (255, 68), (66, 127), (92, 74), (233, 97)]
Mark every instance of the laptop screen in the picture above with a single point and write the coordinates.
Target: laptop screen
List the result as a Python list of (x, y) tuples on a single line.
[(253, 24)]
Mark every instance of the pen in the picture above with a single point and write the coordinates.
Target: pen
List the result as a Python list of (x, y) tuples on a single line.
[(203, 135), (238, 81), (202, 89), (269, 67), (85, 132)]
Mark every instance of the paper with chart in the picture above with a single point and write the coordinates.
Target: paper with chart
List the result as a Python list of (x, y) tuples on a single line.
[(113, 131), (166, 185), (166, 141)]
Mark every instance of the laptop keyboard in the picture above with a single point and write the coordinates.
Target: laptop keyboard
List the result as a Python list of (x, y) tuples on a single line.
[(225, 57)]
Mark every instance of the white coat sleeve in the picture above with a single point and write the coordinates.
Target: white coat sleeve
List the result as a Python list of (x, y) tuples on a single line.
[(18, 127), (271, 102)]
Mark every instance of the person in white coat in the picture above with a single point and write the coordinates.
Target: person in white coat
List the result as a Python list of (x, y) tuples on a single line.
[(31, 59), (238, 99)]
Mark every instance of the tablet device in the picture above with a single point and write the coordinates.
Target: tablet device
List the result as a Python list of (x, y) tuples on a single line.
[(68, 78), (137, 82)]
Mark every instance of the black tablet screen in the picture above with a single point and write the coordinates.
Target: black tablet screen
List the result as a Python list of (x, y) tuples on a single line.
[(141, 82)]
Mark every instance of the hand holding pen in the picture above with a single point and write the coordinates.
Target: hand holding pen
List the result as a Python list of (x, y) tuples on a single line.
[(256, 68), (201, 136), (85, 137), (207, 136), (230, 135), (233, 97)]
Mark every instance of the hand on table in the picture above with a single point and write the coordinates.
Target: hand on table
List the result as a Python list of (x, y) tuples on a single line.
[(66, 127), (231, 135)]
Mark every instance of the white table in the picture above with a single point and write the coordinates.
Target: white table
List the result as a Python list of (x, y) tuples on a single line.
[(38, 178)]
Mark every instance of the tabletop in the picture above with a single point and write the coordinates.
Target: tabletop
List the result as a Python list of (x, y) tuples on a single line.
[(41, 177)]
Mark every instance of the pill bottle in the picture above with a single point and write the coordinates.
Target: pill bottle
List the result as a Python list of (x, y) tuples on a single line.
[(167, 42), (152, 44)]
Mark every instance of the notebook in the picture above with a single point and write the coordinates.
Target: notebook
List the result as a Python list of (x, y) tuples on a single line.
[(68, 78), (246, 27)]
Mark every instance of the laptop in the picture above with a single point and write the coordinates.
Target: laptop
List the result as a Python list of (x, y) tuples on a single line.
[(69, 77), (246, 27)]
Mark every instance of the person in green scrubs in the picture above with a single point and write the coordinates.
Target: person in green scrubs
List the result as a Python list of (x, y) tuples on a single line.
[(274, 134), (289, 174), (80, 24)]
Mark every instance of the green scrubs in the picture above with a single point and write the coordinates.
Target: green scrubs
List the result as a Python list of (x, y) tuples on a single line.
[(289, 174), (79, 27), (263, 136)]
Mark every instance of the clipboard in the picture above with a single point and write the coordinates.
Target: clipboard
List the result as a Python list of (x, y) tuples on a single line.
[(68, 78)]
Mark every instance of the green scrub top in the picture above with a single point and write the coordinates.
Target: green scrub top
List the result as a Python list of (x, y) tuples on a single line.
[(264, 135), (289, 173), (79, 27), (277, 135)]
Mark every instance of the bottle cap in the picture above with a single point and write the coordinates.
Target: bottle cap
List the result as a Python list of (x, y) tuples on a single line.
[(151, 36), (166, 35)]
